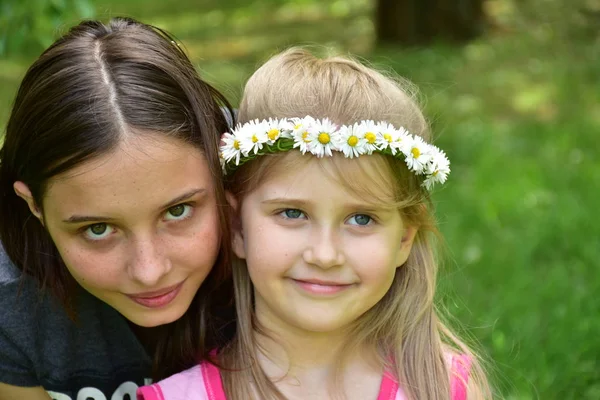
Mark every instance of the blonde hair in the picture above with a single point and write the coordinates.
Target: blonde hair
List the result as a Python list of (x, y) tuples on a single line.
[(404, 325)]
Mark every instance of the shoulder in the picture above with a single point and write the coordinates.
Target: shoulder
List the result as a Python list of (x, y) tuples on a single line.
[(186, 385), (41, 346), (9, 273), (17, 325), (18, 293), (23, 305)]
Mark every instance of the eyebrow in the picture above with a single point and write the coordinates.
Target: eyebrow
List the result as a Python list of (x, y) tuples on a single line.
[(77, 219), (284, 200), (302, 203)]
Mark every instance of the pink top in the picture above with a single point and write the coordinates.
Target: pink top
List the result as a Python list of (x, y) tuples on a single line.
[(203, 382)]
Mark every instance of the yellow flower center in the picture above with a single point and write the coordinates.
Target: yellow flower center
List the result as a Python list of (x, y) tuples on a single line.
[(324, 138), (254, 139), (305, 137), (236, 144), (370, 136), (273, 133), (297, 126), (387, 137), (435, 172), (352, 141), (415, 152)]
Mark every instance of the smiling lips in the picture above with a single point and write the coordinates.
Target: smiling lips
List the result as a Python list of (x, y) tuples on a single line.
[(158, 298), (319, 287)]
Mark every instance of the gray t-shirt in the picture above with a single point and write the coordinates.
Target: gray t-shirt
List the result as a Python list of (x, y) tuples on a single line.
[(96, 358)]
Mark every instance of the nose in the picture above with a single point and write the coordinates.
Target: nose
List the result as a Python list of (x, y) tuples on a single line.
[(324, 249), (148, 262)]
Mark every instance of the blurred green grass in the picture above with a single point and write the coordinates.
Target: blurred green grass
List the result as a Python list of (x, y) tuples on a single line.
[(518, 113)]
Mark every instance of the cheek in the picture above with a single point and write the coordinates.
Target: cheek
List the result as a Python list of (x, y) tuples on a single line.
[(269, 248), (375, 261), (199, 249), (92, 268)]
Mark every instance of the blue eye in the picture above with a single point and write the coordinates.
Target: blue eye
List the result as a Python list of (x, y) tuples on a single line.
[(360, 220), (178, 212), (98, 231), (292, 213)]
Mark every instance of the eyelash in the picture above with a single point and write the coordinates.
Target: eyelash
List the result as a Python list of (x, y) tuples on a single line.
[(372, 220), (283, 211), (189, 208), (84, 230)]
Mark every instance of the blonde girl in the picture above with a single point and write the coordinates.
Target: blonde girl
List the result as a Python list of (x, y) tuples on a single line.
[(329, 175)]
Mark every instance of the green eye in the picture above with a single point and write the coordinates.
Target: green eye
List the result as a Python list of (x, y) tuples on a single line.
[(98, 229), (178, 212), (293, 213)]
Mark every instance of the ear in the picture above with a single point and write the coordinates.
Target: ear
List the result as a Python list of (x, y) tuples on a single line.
[(406, 243), (22, 190), (237, 239)]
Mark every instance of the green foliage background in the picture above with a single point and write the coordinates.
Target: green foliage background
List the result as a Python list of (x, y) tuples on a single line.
[(26, 27), (518, 112)]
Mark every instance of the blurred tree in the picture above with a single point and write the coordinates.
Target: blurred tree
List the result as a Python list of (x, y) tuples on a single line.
[(27, 27), (421, 22)]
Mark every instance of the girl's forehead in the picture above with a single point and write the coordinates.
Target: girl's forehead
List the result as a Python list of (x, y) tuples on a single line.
[(140, 152), (144, 173), (364, 179)]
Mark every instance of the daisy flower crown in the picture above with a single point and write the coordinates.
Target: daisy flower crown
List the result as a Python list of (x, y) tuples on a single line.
[(322, 137)]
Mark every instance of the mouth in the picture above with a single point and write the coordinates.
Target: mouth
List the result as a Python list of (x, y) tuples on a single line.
[(319, 287), (157, 298)]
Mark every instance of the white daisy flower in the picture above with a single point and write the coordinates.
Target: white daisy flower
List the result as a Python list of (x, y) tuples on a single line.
[(300, 133), (349, 141), (402, 140), (273, 130), (300, 124), (429, 182), (386, 134), (369, 131), (230, 148), (286, 127), (321, 135), (390, 137), (439, 166), (417, 154), (252, 137)]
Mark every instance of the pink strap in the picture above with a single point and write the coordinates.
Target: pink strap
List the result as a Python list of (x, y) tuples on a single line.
[(388, 388), (151, 392), (212, 380), (461, 365)]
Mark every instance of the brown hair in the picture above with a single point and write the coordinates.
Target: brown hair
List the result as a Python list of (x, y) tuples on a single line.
[(94, 85), (405, 323)]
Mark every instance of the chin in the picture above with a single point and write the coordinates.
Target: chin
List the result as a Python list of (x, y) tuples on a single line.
[(152, 322), (319, 326), (150, 318)]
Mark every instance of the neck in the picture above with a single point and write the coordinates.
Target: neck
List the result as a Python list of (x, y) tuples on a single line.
[(307, 357)]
